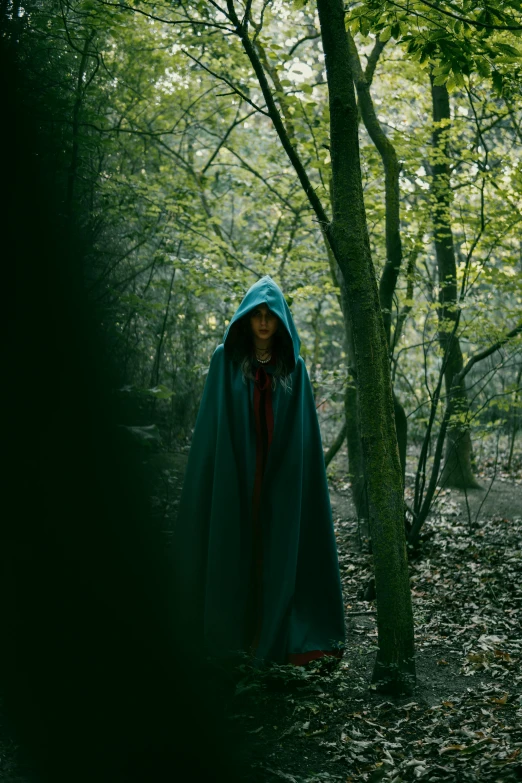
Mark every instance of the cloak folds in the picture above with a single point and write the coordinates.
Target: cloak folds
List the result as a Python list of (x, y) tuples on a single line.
[(255, 559)]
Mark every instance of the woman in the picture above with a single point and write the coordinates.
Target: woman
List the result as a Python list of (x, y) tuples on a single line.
[(256, 562)]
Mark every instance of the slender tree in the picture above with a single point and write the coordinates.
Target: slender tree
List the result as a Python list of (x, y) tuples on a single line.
[(348, 236)]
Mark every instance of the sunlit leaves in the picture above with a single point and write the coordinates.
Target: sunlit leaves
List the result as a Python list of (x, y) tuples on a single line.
[(182, 173), (433, 35)]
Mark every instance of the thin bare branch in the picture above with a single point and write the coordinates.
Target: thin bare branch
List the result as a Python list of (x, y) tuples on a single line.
[(227, 82), (225, 137), (311, 37)]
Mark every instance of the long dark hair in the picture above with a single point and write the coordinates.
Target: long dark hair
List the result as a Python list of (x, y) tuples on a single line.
[(240, 347)]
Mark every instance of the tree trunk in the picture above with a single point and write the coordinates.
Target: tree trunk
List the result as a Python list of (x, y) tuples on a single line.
[(457, 470), (514, 419), (356, 471), (348, 236), (392, 169), (351, 398), (391, 165), (401, 425), (355, 452)]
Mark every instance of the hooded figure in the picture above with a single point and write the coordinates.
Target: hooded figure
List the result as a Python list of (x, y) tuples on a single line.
[(254, 548)]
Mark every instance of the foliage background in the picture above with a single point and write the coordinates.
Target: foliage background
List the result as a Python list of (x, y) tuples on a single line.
[(186, 196)]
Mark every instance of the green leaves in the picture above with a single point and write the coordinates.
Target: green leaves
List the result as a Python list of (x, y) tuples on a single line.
[(498, 81), (177, 172), (505, 48), (432, 36)]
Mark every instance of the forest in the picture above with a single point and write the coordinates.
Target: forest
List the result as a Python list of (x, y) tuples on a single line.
[(159, 159)]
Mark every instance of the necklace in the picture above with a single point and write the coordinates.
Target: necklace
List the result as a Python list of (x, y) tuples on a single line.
[(263, 361)]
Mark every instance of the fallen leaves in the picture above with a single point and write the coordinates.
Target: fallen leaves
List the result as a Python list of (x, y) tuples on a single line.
[(464, 723)]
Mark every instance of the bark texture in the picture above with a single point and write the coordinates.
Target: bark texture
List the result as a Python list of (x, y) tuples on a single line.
[(351, 397), (356, 469), (391, 165), (392, 169), (457, 470), (348, 235)]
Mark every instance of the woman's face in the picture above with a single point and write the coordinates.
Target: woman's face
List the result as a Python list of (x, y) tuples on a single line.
[(263, 322)]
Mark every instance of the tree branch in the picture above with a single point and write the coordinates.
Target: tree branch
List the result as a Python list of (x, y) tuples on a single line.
[(473, 22), (242, 32), (450, 408), (390, 162), (225, 137), (249, 168), (302, 40), (226, 81), (132, 9), (372, 61), (480, 355)]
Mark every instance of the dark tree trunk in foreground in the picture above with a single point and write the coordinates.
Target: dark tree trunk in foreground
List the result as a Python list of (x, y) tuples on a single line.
[(457, 470), (348, 235)]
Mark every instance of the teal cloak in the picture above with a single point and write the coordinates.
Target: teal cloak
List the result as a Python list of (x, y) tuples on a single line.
[(255, 559)]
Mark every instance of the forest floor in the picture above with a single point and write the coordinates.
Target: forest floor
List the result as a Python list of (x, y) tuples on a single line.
[(463, 721)]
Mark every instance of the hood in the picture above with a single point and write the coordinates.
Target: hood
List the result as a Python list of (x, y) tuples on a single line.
[(268, 292)]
